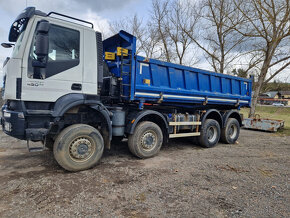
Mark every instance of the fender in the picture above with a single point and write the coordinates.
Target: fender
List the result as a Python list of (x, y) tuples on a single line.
[(68, 101), (105, 115), (108, 132), (217, 115), (137, 116), (234, 114)]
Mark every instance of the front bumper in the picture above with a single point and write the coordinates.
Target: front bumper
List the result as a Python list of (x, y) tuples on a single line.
[(13, 123)]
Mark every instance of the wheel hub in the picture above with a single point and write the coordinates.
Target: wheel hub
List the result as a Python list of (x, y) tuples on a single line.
[(212, 134), (81, 149), (148, 141), (233, 131)]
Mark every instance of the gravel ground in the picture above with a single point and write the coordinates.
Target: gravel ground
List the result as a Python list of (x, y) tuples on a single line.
[(248, 179)]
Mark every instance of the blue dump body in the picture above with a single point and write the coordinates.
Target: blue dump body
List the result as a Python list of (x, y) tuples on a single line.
[(150, 80)]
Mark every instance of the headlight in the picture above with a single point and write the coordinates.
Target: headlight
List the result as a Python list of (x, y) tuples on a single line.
[(7, 114)]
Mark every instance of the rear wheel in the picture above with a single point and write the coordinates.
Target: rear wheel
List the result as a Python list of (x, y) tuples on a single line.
[(209, 134), (78, 147), (146, 140), (231, 132)]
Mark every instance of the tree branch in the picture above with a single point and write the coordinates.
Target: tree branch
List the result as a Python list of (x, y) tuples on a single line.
[(277, 72), (279, 61)]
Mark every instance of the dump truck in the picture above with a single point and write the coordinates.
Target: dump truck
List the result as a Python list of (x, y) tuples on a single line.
[(66, 87)]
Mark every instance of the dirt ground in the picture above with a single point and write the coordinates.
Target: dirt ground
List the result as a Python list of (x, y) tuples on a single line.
[(248, 179)]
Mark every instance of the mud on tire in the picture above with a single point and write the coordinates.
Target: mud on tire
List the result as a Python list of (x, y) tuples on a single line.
[(146, 140), (209, 133), (230, 133), (78, 147)]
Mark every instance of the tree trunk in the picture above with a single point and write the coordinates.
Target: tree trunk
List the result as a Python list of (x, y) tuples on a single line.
[(254, 102), (222, 63), (258, 88)]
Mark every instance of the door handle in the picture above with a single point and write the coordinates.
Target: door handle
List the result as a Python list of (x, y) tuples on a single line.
[(76, 86)]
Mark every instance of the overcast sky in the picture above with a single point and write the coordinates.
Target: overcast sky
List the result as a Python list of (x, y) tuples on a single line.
[(100, 12)]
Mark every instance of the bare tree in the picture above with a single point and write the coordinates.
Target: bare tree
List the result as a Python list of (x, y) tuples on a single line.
[(133, 25), (162, 36), (147, 38), (159, 21), (267, 22), (150, 43), (178, 20), (169, 18), (212, 29)]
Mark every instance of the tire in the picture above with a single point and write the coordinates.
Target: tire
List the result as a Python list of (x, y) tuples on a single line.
[(78, 147), (209, 133), (231, 132), (146, 141)]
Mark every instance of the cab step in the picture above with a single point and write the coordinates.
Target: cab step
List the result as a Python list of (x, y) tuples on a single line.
[(34, 149)]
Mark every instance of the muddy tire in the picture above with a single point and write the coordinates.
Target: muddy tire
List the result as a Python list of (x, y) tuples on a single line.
[(209, 133), (78, 147), (231, 132), (146, 141)]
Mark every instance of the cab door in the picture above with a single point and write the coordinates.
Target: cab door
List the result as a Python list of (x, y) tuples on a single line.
[(62, 74)]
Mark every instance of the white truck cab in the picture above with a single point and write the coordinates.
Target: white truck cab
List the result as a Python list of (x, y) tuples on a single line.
[(52, 73), (69, 68)]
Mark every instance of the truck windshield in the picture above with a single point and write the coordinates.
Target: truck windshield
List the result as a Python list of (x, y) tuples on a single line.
[(18, 44)]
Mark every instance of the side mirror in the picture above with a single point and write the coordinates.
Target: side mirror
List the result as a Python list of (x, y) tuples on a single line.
[(41, 44)]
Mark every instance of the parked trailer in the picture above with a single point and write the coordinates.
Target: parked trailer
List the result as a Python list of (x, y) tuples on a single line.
[(75, 93), (264, 124)]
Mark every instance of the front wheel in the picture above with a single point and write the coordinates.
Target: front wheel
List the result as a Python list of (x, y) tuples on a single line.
[(78, 147), (209, 134), (231, 132), (146, 140)]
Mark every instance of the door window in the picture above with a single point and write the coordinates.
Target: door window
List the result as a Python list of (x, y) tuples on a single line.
[(64, 44), (64, 52)]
